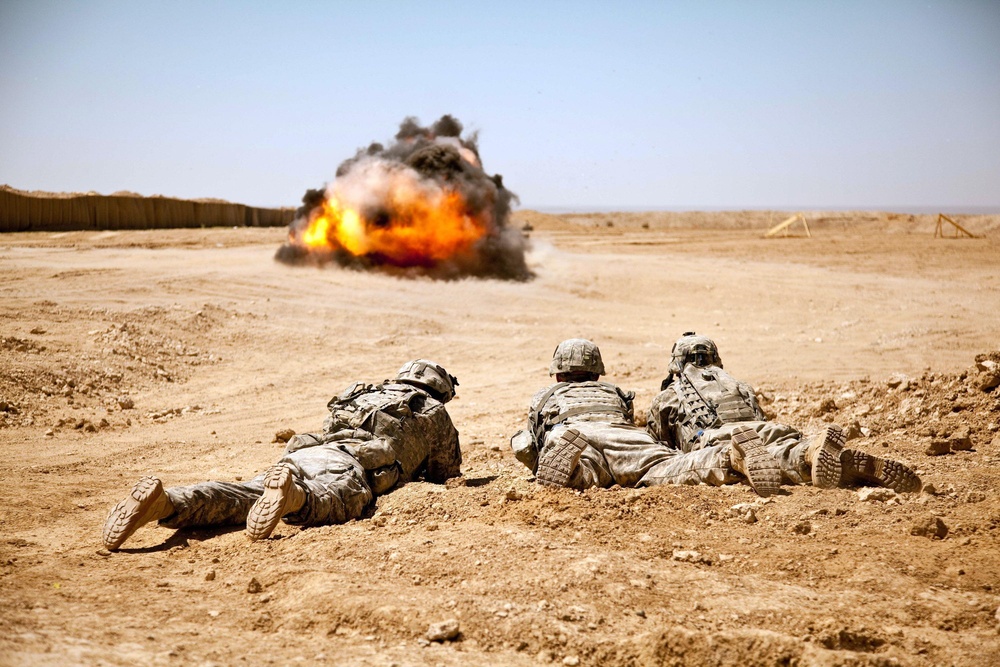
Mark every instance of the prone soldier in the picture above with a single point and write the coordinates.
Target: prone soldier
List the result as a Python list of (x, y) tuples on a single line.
[(702, 406), (376, 438)]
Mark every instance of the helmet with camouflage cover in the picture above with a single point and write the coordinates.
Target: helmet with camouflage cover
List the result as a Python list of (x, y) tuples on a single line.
[(576, 355), (693, 349), (430, 376)]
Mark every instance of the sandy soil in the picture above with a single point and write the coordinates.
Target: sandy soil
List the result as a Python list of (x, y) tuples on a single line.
[(182, 353)]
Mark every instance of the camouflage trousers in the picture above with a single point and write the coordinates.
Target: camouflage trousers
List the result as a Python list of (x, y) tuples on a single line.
[(784, 443), (334, 482), (629, 456)]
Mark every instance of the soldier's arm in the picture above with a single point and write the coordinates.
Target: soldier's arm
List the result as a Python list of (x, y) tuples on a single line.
[(628, 398), (751, 397), (445, 458), (536, 418), (527, 442), (654, 419), (664, 421)]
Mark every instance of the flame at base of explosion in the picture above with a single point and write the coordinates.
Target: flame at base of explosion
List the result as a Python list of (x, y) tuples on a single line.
[(415, 225)]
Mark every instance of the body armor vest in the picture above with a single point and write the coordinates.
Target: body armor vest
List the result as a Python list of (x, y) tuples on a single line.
[(367, 421), (712, 397), (371, 411), (566, 402)]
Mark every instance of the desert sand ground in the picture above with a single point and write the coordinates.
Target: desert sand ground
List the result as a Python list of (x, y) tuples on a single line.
[(182, 353)]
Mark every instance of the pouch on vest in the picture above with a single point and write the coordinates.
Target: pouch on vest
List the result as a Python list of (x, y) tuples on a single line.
[(524, 449), (303, 440), (383, 479), (374, 454)]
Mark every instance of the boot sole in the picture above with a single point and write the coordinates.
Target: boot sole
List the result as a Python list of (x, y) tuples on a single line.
[(265, 514), (134, 511), (827, 468), (869, 469), (560, 458), (762, 469)]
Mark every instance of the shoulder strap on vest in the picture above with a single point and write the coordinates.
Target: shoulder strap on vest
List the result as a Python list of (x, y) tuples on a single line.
[(534, 419)]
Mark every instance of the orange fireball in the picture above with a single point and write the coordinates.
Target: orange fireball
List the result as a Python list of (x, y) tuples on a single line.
[(412, 225)]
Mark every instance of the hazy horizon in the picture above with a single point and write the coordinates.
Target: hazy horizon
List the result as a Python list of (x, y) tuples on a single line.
[(912, 210)]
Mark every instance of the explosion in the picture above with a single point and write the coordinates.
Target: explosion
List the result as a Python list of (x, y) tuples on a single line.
[(423, 205)]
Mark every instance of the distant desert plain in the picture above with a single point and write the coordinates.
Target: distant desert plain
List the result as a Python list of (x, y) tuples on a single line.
[(183, 352)]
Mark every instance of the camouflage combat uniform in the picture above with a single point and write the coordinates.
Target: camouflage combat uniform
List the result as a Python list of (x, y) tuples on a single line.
[(616, 451), (376, 437), (699, 408)]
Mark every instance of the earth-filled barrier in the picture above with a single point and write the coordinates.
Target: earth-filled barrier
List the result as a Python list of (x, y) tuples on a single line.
[(23, 212)]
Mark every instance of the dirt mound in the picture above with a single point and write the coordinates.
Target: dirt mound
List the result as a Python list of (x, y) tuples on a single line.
[(50, 382)]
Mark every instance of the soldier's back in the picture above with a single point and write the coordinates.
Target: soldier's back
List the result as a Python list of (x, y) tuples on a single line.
[(569, 402)]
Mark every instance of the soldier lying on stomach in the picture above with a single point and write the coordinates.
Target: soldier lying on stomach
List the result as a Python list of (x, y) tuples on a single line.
[(376, 438), (702, 406)]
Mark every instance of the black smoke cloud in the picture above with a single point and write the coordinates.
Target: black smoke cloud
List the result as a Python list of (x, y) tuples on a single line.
[(441, 158)]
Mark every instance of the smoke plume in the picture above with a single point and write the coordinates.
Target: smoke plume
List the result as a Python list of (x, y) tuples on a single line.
[(421, 206)]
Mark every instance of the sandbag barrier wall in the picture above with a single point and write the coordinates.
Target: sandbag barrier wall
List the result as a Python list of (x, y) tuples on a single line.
[(21, 213)]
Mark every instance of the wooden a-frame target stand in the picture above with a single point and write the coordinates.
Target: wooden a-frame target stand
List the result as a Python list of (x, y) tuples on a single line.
[(783, 226), (939, 228)]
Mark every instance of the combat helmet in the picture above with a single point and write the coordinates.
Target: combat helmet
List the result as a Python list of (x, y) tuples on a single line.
[(430, 376), (576, 354), (693, 349)]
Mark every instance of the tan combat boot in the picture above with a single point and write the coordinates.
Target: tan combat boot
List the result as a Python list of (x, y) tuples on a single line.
[(147, 502), (560, 458), (750, 458), (281, 496), (863, 468), (823, 455)]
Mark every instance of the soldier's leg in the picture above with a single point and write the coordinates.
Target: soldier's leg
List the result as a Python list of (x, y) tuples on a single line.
[(804, 460), (749, 456), (570, 459), (634, 458), (797, 456), (724, 455), (212, 503), (145, 502), (204, 504), (311, 486), (862, 468), (705, 465), (282, 495), (629, 451)]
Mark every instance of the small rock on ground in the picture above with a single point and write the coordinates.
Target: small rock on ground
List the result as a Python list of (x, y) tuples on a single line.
[(691, 556), (284, 435), (960, 440), (875, 494), (443, 631), (929, 526), (937, 447)]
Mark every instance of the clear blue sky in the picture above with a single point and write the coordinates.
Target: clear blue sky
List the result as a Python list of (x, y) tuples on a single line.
[(578, 104)]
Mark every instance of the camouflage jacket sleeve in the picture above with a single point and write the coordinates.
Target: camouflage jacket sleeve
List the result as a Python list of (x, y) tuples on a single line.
[(444, 460), (535, 417), (751, 398), (664, 420)]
